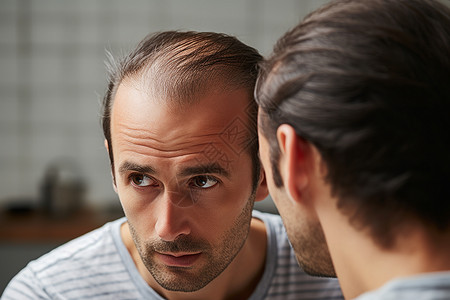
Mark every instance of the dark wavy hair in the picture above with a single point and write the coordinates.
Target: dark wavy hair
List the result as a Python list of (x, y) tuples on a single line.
[(181, 66), (367, 82)]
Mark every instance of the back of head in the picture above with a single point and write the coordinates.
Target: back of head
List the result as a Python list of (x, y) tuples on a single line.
[(367, 82)]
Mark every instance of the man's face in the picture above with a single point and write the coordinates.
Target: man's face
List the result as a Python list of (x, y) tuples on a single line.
[(184, 178), (302, 226)]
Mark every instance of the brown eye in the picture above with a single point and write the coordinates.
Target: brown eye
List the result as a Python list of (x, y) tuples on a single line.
[(204, 181), (141, 180)]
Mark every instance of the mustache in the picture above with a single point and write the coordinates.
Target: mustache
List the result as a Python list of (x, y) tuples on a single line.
[(181, 244)]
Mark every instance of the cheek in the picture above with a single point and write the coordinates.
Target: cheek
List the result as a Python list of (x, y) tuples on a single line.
[(126, 197), (281, 202), (142, 221), (221, 207), (136, 209), (215, 218)]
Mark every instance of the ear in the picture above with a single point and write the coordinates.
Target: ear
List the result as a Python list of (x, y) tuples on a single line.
[(295, 153), (262, 191), (112, 171)]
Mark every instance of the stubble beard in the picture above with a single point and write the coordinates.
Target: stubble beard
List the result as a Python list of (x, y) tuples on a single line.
[(311, 249), (218, 258)]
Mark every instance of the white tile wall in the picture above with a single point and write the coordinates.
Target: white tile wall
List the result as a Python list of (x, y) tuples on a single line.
[(52, 73), (9, 71), (8, 26), (9, 109)]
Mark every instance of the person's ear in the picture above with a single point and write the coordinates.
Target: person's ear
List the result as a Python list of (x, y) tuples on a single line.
[(293, 164), (112, 171), (262, 191)]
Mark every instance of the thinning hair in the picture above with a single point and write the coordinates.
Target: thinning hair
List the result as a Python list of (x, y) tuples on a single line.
[(178, 67)]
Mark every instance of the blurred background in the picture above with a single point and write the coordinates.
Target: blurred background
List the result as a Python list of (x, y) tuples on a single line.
[(54, 172)]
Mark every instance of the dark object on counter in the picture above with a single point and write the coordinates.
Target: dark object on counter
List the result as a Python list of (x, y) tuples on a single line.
[(20, 206), (62, 189)]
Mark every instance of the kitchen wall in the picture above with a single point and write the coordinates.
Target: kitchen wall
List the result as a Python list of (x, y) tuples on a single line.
[(52, 75)]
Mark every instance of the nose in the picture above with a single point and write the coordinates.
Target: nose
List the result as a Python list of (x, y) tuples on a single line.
[(172, 220)]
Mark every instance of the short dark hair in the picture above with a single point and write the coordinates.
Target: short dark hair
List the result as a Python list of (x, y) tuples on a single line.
[(181, 66), (367, 82)]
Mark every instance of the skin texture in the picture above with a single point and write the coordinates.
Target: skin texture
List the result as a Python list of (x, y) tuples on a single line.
[(187, 192)]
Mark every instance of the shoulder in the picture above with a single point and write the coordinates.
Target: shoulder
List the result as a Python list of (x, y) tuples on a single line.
[(275, 229), (422, 286), (91, 248), (79, 264)]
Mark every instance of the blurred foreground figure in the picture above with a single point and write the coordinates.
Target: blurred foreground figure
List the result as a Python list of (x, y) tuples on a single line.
[(354, 137), (180, 127)]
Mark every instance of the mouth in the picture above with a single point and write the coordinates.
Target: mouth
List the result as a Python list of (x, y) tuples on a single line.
[(178, 259)]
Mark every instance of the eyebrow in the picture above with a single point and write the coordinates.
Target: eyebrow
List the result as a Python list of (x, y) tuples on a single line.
[(129, 166), (212, 168)]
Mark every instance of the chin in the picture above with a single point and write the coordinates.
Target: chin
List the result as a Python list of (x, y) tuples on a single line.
[(318, 269), (310, 246)]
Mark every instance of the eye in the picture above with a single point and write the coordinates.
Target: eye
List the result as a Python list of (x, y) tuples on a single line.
[(204, 181), (141, 180)]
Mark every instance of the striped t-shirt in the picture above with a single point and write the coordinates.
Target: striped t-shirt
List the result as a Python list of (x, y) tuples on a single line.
[(97, 265), (426, 286)]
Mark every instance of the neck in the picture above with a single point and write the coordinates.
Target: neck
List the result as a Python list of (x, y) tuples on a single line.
[(237, 281), (361, 265)]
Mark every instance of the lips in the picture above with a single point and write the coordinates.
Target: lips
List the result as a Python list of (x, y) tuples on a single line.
[(178, 259)]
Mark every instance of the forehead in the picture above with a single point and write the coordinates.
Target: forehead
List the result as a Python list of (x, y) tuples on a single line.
[(149, 125)]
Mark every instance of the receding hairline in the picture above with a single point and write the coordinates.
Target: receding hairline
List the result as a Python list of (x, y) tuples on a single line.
[(211, 60), (210, 85)]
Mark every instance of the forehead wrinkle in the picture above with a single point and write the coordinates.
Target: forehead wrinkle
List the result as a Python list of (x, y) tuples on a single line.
[(135, 134), (149, 141)]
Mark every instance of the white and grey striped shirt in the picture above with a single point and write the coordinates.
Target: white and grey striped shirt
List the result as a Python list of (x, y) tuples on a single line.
[(426, 286), (97, 265)]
